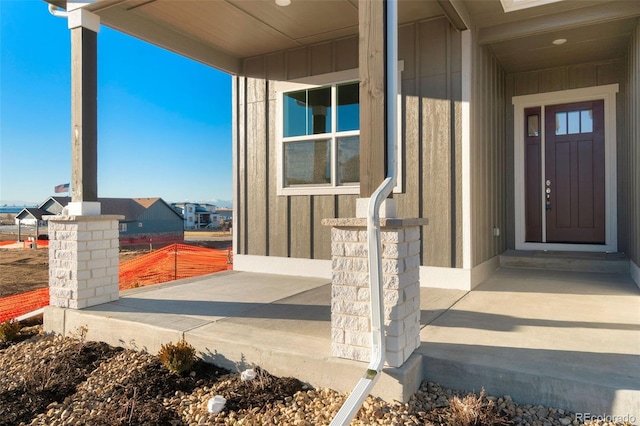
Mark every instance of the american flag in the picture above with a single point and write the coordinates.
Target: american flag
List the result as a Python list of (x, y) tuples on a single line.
[(64, 187)]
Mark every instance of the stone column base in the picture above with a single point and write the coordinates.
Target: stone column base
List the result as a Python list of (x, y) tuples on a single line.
[(350, 298), (83, 260)]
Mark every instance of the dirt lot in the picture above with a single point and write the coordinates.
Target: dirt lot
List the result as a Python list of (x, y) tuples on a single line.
[(26, 270)]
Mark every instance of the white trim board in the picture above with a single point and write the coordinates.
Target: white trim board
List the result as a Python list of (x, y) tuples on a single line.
[(467, 52), (458, 278), (314, 268), (608, 94), (635, 272)]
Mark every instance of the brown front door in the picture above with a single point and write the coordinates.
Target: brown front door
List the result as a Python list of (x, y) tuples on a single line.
[(574, 179)]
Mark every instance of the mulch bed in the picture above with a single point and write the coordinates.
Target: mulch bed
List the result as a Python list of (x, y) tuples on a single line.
[(53, 377)]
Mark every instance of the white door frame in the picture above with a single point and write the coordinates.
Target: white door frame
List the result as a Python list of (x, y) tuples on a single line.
[(608, 94)]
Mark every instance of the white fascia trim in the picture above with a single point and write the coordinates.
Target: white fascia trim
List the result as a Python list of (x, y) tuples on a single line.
[(315, 268), (606, 93), (458, 278), (466, 147), (635, 272)]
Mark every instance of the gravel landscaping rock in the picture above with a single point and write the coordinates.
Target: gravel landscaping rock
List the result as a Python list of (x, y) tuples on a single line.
[(51, 380)]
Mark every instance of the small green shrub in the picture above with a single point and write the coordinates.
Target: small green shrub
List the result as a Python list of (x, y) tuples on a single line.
[(9, 331), (177, 358)]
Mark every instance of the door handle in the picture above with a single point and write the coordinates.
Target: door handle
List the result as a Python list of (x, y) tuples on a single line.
[(548, 195)]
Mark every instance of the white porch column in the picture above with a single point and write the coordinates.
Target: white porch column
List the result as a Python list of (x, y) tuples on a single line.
[(350, 299), (84, 245)]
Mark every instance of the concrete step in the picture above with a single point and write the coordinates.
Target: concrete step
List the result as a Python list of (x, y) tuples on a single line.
[(532, 381), (610, 263)]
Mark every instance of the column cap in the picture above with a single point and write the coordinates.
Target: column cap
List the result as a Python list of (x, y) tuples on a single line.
[(80, 17), (94, 218), (390, 222)]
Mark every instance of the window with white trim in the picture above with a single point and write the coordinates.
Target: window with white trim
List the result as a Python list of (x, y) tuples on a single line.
[(321, 136), (318, 131)]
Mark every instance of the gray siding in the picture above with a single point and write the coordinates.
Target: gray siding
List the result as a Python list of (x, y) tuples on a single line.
[(158, 218), (488, 160), (290, 225), (629, 157), (431, 88), (269, 224), (564, 78)]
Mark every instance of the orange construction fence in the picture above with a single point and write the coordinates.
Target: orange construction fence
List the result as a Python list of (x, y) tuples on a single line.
[(166, 264), (13, 306), (172, 262)]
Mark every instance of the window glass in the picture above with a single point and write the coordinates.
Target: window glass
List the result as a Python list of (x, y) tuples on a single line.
[(586, 121), (307, 112), (533, 125), (561, 123), (348, 108), (307, 162), (574, 122), (295, 113), (349, 160), (320, 111)]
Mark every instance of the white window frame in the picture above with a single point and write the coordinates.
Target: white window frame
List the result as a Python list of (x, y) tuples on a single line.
[(330, 79)]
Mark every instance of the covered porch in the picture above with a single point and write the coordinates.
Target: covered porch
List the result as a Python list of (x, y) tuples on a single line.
[(560, 338)]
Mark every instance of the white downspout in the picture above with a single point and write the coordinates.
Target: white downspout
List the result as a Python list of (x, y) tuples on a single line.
[(56, 11), (351, 406)]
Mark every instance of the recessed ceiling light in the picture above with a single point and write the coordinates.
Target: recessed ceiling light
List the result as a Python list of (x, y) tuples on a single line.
[(559, 41), (283, 2)]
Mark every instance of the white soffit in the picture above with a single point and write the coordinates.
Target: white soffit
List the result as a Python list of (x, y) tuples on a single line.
[(511, 5)]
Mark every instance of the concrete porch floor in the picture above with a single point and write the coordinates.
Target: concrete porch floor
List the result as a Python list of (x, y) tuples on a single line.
[(566, 339)]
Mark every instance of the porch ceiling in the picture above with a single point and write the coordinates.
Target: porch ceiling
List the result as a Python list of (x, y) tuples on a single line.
[(223, 32), (595, 30)]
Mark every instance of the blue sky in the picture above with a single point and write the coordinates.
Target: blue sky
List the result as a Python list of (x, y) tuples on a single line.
[(164, 121)]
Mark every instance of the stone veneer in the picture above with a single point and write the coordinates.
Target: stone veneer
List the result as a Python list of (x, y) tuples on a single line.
[(83, 260), (350, 298)]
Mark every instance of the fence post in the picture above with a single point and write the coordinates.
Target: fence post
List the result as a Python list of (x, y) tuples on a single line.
[(175, 265)]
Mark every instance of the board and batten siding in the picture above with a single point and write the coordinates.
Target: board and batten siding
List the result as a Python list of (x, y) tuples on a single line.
[(565, 78), (488, 160), (289, 226)]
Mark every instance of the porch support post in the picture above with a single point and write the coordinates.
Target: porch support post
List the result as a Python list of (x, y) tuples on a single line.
[(84, 28), (84, 245), (371, 49)]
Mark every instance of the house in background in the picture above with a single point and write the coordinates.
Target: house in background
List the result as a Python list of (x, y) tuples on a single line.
[(146, 220), (226, 213), (30, 216), (198, 215)]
